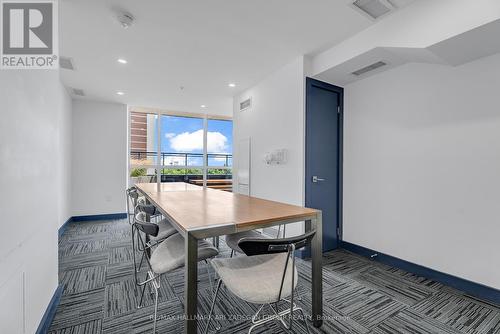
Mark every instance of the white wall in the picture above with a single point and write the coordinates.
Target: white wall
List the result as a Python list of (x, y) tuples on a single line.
[(99, 161), (421, 166), (34, 146), (275, 121), (65, 139)]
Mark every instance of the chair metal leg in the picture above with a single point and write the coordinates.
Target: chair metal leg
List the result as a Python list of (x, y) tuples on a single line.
[(140, 263), (215, 242), (212, 307), (299, 295), (142, 293), (254, 318), (156, 310), (142, 296), (232, 253), (209, 276)]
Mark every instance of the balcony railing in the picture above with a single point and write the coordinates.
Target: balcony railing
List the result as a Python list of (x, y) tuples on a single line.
[(184, 159)]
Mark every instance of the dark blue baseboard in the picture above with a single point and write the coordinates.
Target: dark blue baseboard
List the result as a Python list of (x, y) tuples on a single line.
[(472, 288), (50, 312), (64, 226), (109, 216)]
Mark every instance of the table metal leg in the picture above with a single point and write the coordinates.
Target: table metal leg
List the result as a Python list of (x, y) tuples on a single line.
[(317, 271), (191, 284), (148, 250)]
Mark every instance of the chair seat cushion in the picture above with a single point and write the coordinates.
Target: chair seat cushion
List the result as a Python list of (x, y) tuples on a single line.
[(165, 230), (256, 279), (233, 239), (170, 255)]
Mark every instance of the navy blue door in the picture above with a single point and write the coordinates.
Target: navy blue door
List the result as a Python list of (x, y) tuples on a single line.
[(323, 152)]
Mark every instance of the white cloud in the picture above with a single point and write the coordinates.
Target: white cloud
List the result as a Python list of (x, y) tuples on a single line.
[(169, 135), (193, 141)]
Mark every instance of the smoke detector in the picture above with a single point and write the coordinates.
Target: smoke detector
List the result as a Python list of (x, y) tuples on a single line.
[(125, 19)]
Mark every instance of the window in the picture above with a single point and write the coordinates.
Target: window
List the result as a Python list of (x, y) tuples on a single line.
[(181, 145), (219, 143), (219, 154), (183, 156)]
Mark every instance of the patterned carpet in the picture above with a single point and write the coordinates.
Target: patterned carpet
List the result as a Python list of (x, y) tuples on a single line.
[(360, 296)]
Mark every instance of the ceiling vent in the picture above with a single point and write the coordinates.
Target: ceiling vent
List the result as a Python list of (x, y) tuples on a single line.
[(66, 63), (374, 8), (369, 68), (78, 91)]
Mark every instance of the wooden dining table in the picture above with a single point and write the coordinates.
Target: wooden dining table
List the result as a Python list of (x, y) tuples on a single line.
[(198, 213)]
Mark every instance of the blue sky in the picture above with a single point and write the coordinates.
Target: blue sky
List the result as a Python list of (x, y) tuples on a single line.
[(184, 134)]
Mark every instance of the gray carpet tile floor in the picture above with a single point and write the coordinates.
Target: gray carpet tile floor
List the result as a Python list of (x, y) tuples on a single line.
[(360, 296)]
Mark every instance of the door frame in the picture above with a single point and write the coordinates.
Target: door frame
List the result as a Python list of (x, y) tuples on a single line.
[(310, 83)]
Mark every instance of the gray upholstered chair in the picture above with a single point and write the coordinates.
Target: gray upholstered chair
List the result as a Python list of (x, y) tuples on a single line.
[(165, 230), (165, 257), (266, 276)]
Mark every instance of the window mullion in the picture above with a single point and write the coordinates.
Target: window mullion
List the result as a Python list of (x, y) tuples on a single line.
[(158, 151), (205, 160)]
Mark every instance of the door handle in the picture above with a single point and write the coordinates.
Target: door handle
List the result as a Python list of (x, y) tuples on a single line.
[(316, 179)]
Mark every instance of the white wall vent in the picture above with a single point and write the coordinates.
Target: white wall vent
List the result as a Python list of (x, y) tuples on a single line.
[(369, 68), (246, 104), (374, 8), (66, 63), (78, 91)]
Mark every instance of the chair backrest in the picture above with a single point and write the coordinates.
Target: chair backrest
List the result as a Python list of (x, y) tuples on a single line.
[(132, 199), (256, 246), (149, 209), (132, 195), (142, 225)]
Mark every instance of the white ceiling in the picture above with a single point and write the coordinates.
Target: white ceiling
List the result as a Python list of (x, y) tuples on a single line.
[(200, 45), (468, 46)]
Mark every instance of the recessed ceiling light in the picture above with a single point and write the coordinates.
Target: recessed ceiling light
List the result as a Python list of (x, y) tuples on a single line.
[(203, 106), (120, 93), (122, 61), (232, 85)]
